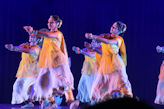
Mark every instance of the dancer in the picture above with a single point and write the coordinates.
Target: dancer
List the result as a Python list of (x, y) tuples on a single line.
[(85, 83), (55, 77), (160, 87), (97, 48), (27, 71), (112, 72), (89, 68)]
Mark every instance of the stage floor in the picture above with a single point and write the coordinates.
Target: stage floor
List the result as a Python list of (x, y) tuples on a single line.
[(9, 106)]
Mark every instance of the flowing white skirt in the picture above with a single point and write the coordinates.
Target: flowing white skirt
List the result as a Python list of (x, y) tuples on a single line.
[(84, 87), (104, 85), (53, 81), (22, 90), (160, 93)]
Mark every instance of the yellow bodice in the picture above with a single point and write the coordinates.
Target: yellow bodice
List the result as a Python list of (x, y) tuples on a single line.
[(53, 52), (110, 61), (88, 65), (28, 65)]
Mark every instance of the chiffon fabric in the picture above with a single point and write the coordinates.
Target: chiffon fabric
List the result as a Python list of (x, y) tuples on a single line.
[(28, 66), (112, 73), (53, 81), (86, 80), (22, 90), (26, 75), (55, 76)]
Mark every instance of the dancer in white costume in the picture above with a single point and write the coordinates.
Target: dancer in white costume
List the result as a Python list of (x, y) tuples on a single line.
[(87, 74), (27, 71), (160, 87), (90, 66)]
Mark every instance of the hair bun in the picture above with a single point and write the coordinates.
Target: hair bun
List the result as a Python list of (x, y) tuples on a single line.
[(121, 26), (124, 28), (60, 23)]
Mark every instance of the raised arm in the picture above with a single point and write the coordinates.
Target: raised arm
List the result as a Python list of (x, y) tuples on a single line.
[(83, 51), (99, 38), (19, 49)]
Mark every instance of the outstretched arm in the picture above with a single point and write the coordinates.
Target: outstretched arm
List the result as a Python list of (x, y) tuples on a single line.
[(83, 51), (19, 49), (94, 48), (40, 33), (100, 39), (44, 34)]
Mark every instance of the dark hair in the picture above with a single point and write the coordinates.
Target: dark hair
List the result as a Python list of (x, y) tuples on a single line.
[(121, 26), (57, 20)]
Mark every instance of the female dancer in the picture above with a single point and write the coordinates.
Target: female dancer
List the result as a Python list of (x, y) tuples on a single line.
[(85, 83), (27, 71), (112, 73), (55, 77), (90, 66), (97, 48), (160, 87)]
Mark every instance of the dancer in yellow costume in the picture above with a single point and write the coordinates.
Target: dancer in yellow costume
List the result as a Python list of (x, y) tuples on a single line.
[(87, 74), (97, 48), (27, 71), (112, 72), (88, 70), (55, 77), (160, 87)]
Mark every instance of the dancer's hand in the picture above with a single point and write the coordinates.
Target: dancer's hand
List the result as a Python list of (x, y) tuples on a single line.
[(28, 29), (9, 47), (76, 49), (159, 49), (89, 35), (73, 48)]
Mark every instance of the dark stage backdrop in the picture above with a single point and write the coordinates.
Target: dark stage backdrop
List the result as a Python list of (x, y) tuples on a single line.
[(144, 19)]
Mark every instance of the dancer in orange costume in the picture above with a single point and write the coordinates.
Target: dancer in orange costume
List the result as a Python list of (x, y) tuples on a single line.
[(112, 72), (55, 77)]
